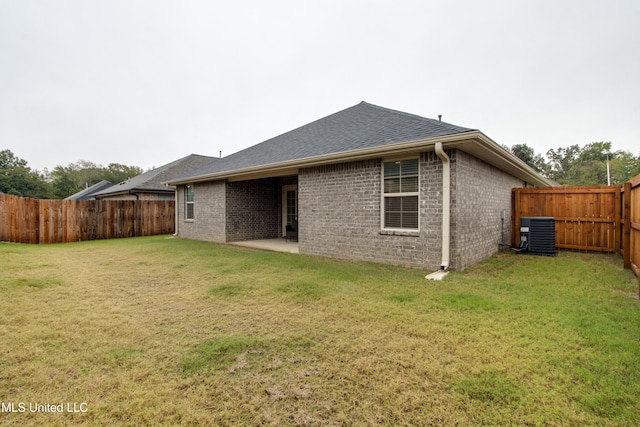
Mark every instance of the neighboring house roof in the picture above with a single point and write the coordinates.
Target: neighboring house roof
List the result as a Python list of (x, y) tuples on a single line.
[(88, 192), (359, 132), (153, 181)]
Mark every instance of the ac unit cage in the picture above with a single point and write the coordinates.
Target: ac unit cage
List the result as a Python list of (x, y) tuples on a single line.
[(538, 235)]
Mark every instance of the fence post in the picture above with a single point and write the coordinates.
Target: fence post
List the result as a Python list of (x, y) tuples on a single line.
[(515, 217), (626, 233), (619, 228)]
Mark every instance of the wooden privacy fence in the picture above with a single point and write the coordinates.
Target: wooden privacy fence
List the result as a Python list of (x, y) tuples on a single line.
[(24, 220), (605, 218), (587, 218)]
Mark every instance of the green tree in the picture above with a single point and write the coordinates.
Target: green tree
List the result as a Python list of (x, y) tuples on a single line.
[(528, 155), (116, 172), (67, 180), (9, 160), (63, 184), (624, 166), (596, 151), (587, 172), (17, 178), (588, 165), (560, 161)]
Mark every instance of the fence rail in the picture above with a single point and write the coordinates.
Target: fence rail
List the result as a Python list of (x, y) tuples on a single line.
[(25, 220)]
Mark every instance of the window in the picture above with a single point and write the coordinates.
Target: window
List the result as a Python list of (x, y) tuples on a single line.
[(400, 199), (188, 201)]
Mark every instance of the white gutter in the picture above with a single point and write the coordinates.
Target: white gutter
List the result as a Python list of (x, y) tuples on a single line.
[(446, 204)]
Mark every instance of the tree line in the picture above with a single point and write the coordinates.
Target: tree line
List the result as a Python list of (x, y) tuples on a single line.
[(593, 164), (17, 178)]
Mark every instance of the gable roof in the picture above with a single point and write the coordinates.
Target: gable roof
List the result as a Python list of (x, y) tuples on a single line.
[(88, 192), (153, 181), (362, 131), (359, 127)]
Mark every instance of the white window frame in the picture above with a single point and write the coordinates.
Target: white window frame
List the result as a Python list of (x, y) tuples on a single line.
[(188, 202), (384, 196)]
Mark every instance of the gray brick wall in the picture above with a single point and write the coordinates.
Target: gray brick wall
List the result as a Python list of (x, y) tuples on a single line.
[(252, 209), (482, 192), (209, 213), (339, 212)]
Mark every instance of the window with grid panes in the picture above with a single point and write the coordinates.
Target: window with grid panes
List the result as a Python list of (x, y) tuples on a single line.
[(401, 194)]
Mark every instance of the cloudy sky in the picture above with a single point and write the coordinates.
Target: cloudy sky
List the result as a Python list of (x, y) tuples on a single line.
[(145, 82)]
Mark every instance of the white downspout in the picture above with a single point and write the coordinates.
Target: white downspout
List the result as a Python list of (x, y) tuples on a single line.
[(446, 204)]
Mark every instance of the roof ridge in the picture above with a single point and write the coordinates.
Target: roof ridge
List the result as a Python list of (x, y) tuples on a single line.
[(403, 113)]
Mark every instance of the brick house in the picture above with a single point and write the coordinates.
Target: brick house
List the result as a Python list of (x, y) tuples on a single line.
[(150, 185), (366, 183)]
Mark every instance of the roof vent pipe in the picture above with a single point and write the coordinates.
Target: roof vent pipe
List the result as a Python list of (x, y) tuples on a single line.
[(439, 117), (446, 204)]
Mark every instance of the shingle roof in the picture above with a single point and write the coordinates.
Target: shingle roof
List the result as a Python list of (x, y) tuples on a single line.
[(362, 126), (154, 179), (88, 192)]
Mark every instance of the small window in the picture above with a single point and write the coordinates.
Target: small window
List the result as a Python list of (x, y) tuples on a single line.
[(401, 195), (189, 197)]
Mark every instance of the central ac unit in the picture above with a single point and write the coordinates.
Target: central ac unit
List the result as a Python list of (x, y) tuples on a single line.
[(538, 235)]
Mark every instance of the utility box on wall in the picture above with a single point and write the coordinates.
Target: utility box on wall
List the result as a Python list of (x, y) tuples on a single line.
[(538, 235)]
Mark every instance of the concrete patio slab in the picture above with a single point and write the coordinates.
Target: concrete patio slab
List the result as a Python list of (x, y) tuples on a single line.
[(276, 245)]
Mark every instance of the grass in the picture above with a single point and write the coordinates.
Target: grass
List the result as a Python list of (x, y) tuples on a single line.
[(160, 331)]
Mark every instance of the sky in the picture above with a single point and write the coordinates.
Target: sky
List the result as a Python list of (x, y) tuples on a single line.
[(146, 82)]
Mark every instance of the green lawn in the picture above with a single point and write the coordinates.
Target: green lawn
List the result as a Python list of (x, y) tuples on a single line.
[(162, 331)]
